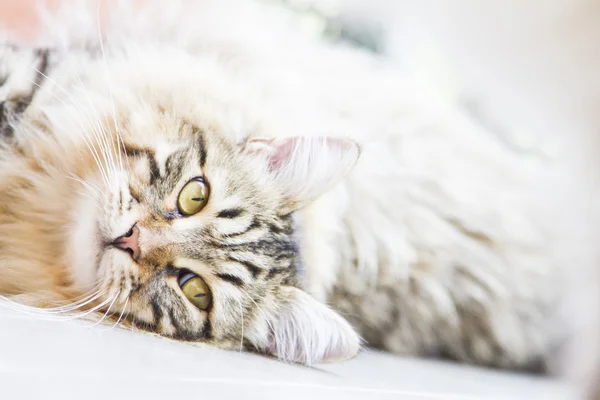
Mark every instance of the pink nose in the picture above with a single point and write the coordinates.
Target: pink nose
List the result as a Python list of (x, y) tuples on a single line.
[(129, 242)]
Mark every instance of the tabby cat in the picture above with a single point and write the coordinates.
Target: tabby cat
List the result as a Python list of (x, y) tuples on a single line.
[(222, 177)]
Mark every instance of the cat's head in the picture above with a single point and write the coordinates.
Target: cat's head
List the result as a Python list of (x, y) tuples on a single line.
[(192, 236)]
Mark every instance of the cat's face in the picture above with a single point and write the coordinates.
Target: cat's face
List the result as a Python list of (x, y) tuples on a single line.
[(194, 239)]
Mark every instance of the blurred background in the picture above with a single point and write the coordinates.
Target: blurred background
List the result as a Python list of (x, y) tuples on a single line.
[(527, 68)]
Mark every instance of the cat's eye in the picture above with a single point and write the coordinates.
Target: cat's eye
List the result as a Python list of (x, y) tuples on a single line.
[(193, 197), (195, 290)]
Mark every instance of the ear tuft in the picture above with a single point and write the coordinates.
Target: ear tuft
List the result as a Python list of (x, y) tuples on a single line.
[(306, 167), (307, 332)]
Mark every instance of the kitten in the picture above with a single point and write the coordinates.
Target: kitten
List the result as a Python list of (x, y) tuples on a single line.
[(209, 190)]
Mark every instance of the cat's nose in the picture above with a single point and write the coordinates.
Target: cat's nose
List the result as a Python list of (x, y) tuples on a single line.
[(129, 242)]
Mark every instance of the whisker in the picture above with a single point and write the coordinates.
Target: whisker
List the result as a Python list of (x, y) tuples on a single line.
[(120, 316), (91, 199), (94, 128), (78, 299), (114, 298), (89, 185), (82, 303), (100, 135), (55, 310), (40, 314), (93, 189), (94, 309), (89, 145), (259, 309)]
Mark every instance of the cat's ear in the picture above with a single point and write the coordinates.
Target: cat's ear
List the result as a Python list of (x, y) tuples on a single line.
[(306, 331), (306, 167)]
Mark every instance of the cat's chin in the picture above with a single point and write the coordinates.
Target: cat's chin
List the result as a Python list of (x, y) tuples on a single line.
[(84, 245)]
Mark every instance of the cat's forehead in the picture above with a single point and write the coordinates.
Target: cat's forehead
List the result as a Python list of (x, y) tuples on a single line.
[(165, 162), (165, 149)]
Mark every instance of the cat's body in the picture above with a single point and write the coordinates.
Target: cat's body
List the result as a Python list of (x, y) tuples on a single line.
[(428, 247)]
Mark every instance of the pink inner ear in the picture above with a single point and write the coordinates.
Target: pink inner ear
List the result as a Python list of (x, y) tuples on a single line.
[(283, 154), (260, 145)]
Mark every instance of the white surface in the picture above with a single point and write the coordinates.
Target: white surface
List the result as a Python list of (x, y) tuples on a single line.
[(72, 360)]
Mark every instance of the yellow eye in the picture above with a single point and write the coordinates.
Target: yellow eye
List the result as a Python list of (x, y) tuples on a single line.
[(193, 197), (196, 290)]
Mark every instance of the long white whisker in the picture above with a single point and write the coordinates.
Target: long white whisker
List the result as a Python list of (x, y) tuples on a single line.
[(101, 136), (83, 302), (120, 316), (94, 309), (95, 191), (89, 145), (79, 304), (40, 314), (92, 189), (259, 309), (78, 299), (115, 297), (99, 133), (91, 199), (94, 128), (54, 310)]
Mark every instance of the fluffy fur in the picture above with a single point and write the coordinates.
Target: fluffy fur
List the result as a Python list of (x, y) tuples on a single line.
[(430, 246)]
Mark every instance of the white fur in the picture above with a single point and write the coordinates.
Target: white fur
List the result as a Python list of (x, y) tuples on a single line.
[(306, 331)]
